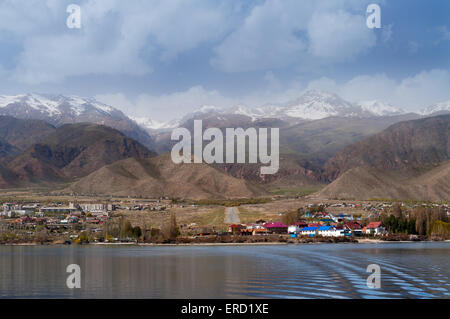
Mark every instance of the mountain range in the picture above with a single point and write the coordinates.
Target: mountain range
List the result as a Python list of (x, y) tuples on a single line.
[(67, 153), (159, 176), (312, 105), (58, 110), (409, 160), (355, 149)]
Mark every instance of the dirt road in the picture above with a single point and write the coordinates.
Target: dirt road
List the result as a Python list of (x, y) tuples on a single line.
[(232, 215)]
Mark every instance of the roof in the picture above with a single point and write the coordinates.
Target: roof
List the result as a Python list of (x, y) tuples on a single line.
[(300, 224), (326, 228), (275, 225), (353, 225), (373, 225), (309, 228)]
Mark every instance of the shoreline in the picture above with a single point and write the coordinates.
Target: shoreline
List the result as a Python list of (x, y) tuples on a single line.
[(360, 241)]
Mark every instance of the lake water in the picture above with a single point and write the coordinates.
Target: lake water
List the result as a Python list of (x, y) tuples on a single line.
[(408, 270)]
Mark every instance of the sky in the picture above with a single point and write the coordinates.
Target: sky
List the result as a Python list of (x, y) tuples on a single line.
[(164, 58)]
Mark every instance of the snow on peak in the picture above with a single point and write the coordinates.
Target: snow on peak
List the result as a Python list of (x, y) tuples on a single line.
[(35, 101), (379, 108), (314, 105), (442, 107), (209, 108), (51, 104), (148, 123)]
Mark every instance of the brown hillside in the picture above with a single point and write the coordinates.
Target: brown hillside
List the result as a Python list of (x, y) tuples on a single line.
[(369, 183), (159, 176), (414, 144), (74, 150)]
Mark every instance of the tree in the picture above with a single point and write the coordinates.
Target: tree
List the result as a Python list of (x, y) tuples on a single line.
[(137, 232), (290, 218), (170, 229), (42, 236)]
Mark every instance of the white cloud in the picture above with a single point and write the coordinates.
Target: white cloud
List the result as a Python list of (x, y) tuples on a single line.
[(117, 37), (167, 106), (266, 39), (444, 33), (277, 34), (339, 35), (413, 47), (411, 93), (386, 33)]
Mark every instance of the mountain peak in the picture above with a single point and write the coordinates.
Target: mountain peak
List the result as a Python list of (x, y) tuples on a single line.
[(52, 105), (438, 108), (380, 108), (61, 109)]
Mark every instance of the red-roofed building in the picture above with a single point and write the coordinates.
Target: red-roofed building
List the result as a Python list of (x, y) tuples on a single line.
[(374, 228), (276, 228), (354, 227), (235, 229), (300, 224)]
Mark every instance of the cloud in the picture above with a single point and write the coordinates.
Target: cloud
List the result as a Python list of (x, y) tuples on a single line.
[(267, 38), (444, 33), (411, 93), (386, 33), (117, 37), (167, 106), (413, 47), (339, 35), (278, 34)]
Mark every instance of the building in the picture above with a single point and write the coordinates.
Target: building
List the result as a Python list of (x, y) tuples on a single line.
[(293, 230), (353, 227), (309, 231), (276, 228), (93, 207), (374, 228), (256, 229), (58, 209), (235, 229), (327, 231)]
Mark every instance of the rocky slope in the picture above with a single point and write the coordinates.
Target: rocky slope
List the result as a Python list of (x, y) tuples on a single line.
[(159, 176), (416, 144), (72, 151)]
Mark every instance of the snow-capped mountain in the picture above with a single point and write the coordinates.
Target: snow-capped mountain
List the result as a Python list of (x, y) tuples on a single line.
[(150, 124), (58, 110), (379, 108), (439, 108), (54, 106), (313, 105)]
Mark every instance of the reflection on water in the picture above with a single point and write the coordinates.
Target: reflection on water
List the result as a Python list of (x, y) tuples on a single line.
[(408, 270)]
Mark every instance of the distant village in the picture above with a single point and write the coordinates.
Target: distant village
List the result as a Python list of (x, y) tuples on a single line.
[(96, 222)]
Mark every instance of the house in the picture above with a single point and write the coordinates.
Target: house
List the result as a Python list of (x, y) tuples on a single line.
[(374, 228), (235, 229), (301, 224), (309, 231), (326, 231), (58, 209), (293, 230), (255, 229), (276, 228), (353, 227)]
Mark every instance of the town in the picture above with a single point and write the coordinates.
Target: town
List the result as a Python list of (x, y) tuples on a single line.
[(170, 221)]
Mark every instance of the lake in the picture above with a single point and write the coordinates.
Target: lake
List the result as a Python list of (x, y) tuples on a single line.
[(408, 270)]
